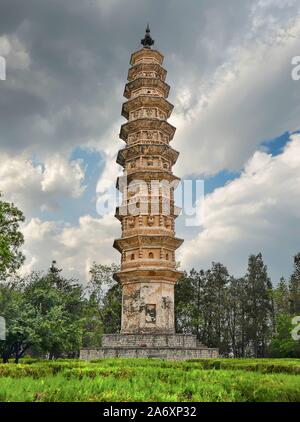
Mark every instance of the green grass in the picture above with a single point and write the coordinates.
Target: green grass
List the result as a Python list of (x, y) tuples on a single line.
[(217, 380)]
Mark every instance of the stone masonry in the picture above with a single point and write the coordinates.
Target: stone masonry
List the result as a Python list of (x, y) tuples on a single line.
[(147, 215)]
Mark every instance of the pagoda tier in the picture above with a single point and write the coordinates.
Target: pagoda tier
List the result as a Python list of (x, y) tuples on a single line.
[(147, 129), (147, 175), (122, 214), (140, 241), (146, 70), (149, 106), (147, 213), (146, 86), (143, 156), (146, 56)]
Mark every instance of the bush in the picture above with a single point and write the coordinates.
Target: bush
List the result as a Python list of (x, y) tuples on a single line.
[(152, 380)]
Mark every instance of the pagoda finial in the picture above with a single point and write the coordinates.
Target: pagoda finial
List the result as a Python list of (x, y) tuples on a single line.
[(147, 41)]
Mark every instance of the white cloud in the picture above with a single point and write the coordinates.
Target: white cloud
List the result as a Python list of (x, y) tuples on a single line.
[(41, 186), (249, 99), (230, 74), (74, 248), (259, 211), (105, 188), (63, 178), (14, 51)]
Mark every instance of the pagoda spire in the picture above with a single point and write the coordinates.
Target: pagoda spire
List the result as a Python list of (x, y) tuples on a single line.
[(147, 41)]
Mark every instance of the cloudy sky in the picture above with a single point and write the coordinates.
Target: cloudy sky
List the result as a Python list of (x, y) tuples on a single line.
[(237, 113)]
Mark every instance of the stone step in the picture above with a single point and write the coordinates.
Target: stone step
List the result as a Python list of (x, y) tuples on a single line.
[(149, 340), (171, 353)]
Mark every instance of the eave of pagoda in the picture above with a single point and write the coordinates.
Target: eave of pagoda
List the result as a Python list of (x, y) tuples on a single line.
[(141, 240), (136, 150), (145, 54), (121, 212), (146, 101), (146, 176), (146, 83), (145, 274), (146, 67), (146, 124)]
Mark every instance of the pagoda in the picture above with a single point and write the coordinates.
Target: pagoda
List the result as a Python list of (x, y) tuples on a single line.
[(147, 215)]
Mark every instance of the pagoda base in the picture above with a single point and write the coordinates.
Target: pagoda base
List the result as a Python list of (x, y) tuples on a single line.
[(161, 346)]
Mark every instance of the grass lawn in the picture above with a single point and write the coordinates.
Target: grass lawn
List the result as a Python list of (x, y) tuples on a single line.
[(216, 380)]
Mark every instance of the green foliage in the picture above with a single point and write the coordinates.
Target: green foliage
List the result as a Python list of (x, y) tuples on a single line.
[(48, 314), (44, 313), (23, 322), (61, 306), (199, 304), (217, 380), (105, 296), (294, 287), (286, 297), (112, 307), (187, 315), (259, 306), (234, 315), (11, 239), (282, 344)]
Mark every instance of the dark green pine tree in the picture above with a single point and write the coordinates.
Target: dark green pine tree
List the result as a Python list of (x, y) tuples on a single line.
[(214, 333), (259, 307), (281, 297), (112, 309), (186, 297), (294, 287), (236, 320), (282, 344)]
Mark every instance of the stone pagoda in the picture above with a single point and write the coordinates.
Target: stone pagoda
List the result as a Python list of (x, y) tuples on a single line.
[(147, 215)]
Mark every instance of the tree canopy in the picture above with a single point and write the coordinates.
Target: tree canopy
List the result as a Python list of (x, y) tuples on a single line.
[(11, 239)]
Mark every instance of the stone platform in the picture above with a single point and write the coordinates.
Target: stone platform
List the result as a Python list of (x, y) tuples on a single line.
[(162, 346)]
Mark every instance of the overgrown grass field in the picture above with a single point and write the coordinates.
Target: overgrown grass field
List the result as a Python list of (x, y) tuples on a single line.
[(213, 380)]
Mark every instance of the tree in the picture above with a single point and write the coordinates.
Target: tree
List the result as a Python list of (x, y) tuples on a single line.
[(104, 304), (188, 301), (294, 287), (214, 316), (235, 306), (45, 313), (11, 239), (112, 308), (61, 305), (287, 305), (22, 322), (200, 305), (282, 344), (101, 280), (281, 297), (259, 306)]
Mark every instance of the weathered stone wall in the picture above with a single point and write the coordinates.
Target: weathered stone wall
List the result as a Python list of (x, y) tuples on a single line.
[(153, 340), (163, 346), (148, 307), (172, 353)]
